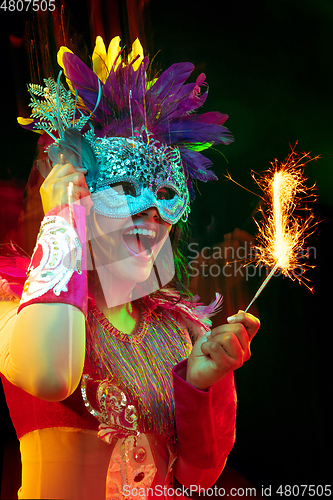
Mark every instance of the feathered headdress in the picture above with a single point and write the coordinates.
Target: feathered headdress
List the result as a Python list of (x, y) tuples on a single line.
[(116, 99)]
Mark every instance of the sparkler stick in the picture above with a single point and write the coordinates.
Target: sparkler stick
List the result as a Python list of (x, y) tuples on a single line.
[(282, 234), (262, 286)]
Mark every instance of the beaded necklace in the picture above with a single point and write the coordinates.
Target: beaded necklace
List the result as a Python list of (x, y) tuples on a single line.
[(141, 363)]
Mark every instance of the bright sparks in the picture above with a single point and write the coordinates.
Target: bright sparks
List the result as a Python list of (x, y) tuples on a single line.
[(283, 232), (288, 220)]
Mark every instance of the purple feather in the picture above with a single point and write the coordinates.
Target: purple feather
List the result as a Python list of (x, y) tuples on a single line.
[(182, 104), (170, 81), (187, 99), (210, 310), (213, 117), (196, 165), (192, 129), (87, 83)]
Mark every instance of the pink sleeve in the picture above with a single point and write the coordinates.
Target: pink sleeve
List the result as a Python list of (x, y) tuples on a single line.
[(57, 271), (205, 420)]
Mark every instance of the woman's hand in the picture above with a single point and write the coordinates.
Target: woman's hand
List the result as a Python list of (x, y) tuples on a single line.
[(224, 350), (54, 190)]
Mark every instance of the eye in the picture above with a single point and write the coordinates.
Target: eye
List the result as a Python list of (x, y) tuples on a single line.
[(124, 188), (165, 193)]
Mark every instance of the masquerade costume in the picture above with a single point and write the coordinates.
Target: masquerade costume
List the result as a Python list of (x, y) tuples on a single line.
[(122, 129)]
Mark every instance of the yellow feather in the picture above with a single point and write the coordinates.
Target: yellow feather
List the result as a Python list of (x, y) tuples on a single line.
[(27, 121), (151, 83), (137, 50), (24, 121), (113, 51), (99, 60), (60, 54)]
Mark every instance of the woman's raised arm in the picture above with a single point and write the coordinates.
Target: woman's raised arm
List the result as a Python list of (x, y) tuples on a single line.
[(42, 348), (42, 343)]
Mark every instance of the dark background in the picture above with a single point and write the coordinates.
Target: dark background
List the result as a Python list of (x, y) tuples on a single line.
[(269, 67)]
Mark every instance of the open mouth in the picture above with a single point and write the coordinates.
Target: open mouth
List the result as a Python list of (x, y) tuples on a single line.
[(140, 239)]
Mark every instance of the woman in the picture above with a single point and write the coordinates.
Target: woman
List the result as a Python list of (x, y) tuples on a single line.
[(79, 364)]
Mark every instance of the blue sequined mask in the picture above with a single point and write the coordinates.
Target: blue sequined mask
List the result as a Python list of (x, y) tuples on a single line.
[(135, 174)]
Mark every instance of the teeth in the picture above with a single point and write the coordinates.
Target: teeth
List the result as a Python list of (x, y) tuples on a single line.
[(145, 232)]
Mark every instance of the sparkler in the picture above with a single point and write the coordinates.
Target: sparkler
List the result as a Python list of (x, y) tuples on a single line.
[(282, 233)]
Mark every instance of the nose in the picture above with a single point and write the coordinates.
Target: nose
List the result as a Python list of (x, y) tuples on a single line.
[(150, 214)]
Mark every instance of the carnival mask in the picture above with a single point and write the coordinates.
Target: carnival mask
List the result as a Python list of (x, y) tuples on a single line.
[(135, 174), (128, 132)]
